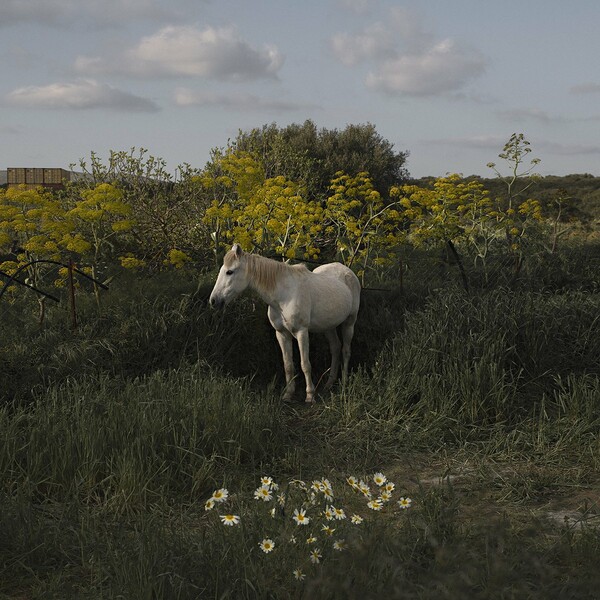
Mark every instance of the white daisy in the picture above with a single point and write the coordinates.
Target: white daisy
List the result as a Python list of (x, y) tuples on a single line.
[(267, 545), (230, 520), (300, 517)]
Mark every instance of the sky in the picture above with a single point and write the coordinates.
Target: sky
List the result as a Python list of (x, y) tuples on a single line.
[(448, 81)]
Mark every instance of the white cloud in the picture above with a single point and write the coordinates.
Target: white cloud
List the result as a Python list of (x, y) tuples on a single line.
[(445, 67), (67, 12), (406, 59), (176, 51), (240, 102), (79, 95), (375, 42), (410, 30)]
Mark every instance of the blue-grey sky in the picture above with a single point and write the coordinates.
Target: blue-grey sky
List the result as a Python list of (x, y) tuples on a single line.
[(449, 81)]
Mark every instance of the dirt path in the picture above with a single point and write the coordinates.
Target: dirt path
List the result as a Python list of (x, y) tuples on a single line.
[(488, 491)]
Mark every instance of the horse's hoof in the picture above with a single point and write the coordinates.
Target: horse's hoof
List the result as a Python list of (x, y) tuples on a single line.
[(309, 401)]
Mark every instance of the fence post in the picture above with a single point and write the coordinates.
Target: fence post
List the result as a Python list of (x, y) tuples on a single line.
[(401, 276), (72, 296), (42, 303), (463, 274)]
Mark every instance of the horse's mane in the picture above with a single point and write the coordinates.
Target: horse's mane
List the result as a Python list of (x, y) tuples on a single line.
[(264, 272)]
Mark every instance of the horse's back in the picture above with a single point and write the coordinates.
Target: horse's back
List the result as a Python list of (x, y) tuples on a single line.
[(329, 277), (343, 273)]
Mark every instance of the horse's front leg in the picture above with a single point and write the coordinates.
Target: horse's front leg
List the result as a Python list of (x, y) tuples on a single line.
[(303, 345), (286, 340)]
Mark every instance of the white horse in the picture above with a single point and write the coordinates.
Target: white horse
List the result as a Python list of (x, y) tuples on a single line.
[(300, 301)]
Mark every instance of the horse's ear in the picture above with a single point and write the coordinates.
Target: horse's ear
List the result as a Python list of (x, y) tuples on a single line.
[(237, 249)]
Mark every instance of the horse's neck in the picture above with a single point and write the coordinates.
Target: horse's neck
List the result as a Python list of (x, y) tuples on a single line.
[(266, 276)]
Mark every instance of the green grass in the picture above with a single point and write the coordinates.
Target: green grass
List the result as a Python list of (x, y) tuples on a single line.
[(482, 407)]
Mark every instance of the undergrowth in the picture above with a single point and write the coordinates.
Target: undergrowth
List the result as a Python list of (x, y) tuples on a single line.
[(113, 436)]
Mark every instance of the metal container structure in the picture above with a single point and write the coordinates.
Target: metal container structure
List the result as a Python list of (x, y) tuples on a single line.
[(37, 177)]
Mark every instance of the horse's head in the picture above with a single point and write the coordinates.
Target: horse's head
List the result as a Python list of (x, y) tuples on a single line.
[(232, 279)]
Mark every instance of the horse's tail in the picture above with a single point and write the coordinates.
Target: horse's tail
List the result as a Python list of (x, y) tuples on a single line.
[(353, 283)]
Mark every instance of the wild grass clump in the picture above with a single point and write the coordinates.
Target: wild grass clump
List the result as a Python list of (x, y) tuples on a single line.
[(163, 323), (127, 444), (469, 369), (490, 357)]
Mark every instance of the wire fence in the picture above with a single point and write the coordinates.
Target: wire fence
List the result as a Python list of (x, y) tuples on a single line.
[(533, 268), (23, 293), (416, 271)]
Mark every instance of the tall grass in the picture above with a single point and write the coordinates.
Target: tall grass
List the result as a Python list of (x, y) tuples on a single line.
[(465, 367), (144, 325), (131, 443)]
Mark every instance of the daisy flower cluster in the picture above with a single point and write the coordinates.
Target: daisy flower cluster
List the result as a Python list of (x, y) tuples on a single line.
[(219, 497), (266, 489), (307, 520), (381, 495)]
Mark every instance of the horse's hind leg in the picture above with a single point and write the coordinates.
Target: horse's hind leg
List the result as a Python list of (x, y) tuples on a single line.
[(286, 340), (334, 346), (302, 337), (347, 334)]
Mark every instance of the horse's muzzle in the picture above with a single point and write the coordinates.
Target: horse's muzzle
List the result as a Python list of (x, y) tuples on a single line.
[(216, 302)]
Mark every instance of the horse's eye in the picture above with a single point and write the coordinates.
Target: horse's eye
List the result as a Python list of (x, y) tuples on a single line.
[(230, 272)]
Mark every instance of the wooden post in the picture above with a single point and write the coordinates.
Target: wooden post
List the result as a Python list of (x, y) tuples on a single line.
[(72, 296), (401, 276), (42, 303), (460, 265)]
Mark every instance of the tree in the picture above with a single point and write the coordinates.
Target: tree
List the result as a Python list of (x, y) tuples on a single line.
[(360, 149), (453, 209), (32, 223), (313, 156), (562, 213), (289, 151), (229, 180), (515, 152), (33, 226), (451, 212), (164, 207), (277, 218), (520, 212)]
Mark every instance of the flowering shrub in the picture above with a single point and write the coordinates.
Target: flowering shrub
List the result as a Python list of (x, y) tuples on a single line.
[(177, 258), (366, 230), (306, 521), (267, 214)]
